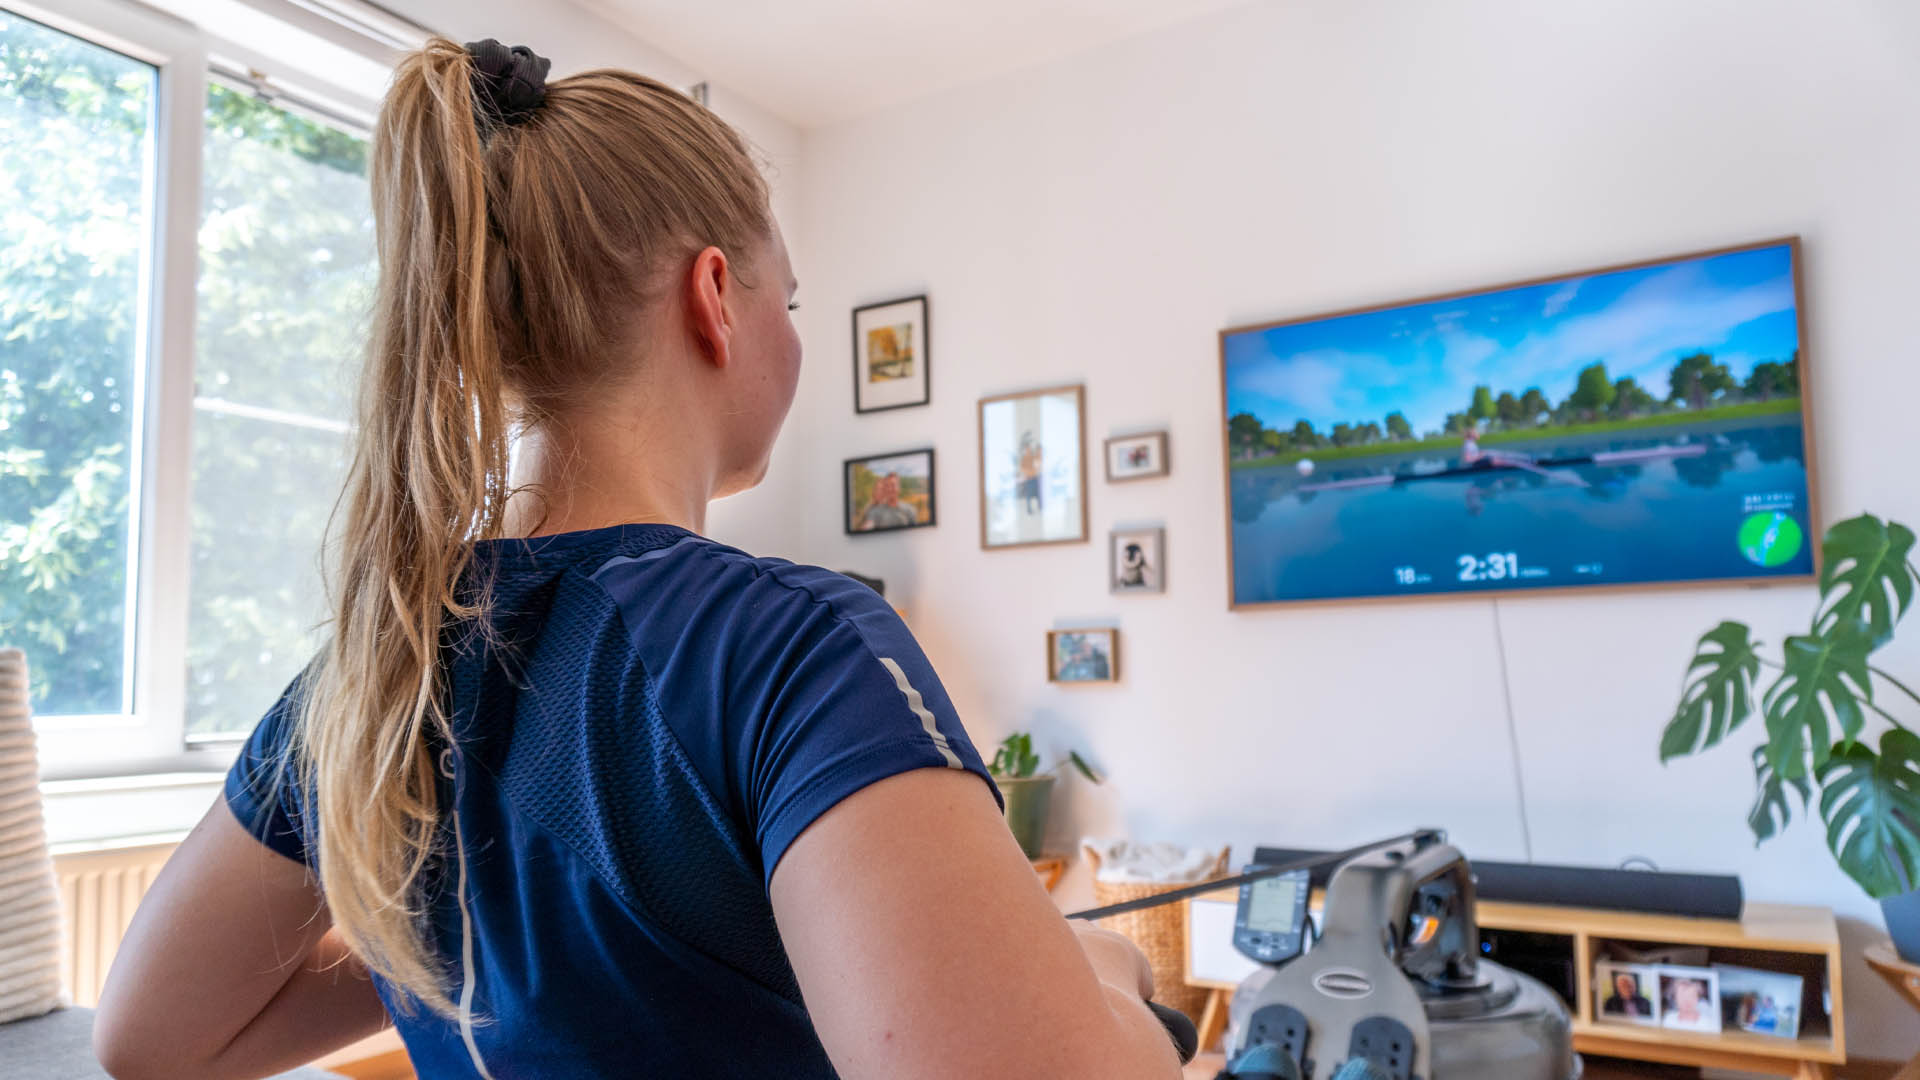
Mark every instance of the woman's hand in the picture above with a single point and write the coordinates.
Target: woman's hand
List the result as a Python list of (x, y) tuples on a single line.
[(1115, 958)]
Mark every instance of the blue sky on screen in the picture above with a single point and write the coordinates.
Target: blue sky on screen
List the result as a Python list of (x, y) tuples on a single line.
[(1425, 359)]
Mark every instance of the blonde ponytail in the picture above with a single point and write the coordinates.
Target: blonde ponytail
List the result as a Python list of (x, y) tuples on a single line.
[(511, 270)]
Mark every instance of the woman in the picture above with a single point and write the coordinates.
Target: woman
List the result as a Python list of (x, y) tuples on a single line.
[(585, 794)]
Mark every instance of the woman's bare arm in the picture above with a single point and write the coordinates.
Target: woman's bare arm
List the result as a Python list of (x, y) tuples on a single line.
[(230, 968), (926, 947)]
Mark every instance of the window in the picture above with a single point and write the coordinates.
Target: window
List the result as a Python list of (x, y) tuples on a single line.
[(185, 277), (77, 209), (286, 274)]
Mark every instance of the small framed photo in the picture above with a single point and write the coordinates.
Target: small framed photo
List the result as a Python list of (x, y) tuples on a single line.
[(887, 492), (1136, 457), (1689, 998), (1136, 560), (1083, 656), (1627, 993), (1760, 1002), (1033, 468), (890, 355)]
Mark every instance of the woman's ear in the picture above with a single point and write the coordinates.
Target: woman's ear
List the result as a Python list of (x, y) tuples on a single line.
[(708, 285)]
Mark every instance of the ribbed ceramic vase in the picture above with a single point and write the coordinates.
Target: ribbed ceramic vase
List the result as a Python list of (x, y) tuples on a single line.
[(29, 899)]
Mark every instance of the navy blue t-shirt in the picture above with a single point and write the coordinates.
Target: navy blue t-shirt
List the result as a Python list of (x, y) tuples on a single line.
[(661, 717)]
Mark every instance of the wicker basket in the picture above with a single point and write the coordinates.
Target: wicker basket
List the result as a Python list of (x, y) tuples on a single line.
[(1160, 932)]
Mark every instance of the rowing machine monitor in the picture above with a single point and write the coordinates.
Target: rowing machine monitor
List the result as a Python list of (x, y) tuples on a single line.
[(1269, 927)]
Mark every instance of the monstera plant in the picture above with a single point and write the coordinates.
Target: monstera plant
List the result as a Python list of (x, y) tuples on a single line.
[(1825, 699)]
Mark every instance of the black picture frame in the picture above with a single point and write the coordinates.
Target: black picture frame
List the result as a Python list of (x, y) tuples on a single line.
[(925, 317), (846, 493)]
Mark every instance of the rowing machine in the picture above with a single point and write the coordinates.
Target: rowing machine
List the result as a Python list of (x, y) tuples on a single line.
[(1395, 989)]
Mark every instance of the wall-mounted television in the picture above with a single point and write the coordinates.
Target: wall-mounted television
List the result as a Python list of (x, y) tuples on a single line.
[(1636, 426)]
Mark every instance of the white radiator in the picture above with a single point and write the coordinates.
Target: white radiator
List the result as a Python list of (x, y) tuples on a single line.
[(98, 892)]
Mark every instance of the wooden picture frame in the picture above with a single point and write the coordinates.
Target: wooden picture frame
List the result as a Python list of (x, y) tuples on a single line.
[(1809, 441), (1098, 669), (1025, 474), (1153, 442), (873, 517), (889, 372), (1148, 576)]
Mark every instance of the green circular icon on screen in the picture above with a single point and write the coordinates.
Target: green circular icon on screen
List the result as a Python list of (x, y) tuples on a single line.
[(1770, 538)]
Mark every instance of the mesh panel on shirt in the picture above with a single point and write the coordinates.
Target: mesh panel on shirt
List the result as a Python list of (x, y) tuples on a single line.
[(593, 761)]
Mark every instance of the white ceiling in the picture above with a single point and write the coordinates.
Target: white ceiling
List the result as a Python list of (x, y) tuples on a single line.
[(815, 62)]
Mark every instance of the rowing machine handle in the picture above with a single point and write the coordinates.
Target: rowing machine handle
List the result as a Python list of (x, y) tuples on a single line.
[(1185, 1038)]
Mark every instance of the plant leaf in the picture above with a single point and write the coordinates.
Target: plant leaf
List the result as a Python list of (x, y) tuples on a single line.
[(1871, 803), (1718, 696), (1864, 575), (1770, 813), (1825, 680), (1080, 763), (1010, 761)]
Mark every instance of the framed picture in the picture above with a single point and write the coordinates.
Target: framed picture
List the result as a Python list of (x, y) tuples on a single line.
[(890, 355), (1467, 443), (1083, 656), (1136, 457), (1761, 1002), (889, 491), (1690, 998), (1033, 468), (1627, 993), (1136, 560)]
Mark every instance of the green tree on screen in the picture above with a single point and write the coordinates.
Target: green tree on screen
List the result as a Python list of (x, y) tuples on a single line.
[(1244, 429), (1397, 427), (1771, 379), (1483, 408), (1696, 378), (1533, 404), (1304, 437), (1592, 390), (1507, 408), (1630, 399)]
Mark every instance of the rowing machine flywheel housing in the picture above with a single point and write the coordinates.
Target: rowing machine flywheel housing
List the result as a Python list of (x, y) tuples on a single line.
[(1396, 987)]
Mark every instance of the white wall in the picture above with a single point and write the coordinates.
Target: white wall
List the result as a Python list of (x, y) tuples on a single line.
[(1097, 220)]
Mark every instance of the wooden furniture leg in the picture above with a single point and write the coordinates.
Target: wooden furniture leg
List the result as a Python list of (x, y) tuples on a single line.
[(1813, 1070), (1213, 1019)]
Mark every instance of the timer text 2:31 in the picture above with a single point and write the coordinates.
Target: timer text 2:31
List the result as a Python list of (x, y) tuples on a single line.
[(1495, 567)]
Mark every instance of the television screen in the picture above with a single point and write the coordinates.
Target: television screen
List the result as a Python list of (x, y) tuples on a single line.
[(1630, 426)]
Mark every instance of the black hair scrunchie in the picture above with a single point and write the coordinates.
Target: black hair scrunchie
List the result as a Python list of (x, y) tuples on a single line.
[(508, 83)]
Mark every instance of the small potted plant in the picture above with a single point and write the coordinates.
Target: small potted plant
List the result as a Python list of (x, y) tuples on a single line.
[(1029, 792), (1816, 714)]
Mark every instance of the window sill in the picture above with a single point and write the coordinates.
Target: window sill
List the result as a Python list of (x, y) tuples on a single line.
[(125, 811)]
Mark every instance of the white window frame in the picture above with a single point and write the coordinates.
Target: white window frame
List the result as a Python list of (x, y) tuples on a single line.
[(150, 736)]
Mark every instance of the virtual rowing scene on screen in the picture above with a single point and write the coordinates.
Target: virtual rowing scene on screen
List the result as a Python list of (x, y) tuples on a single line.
[(1626, 427)]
